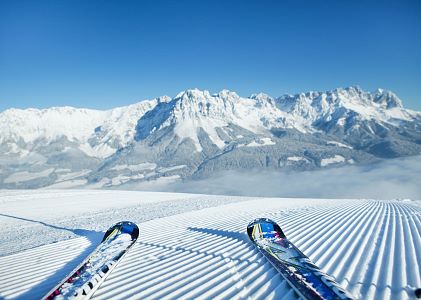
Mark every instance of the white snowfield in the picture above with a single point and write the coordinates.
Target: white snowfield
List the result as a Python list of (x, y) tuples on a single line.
[(332, 160), (195, 246)]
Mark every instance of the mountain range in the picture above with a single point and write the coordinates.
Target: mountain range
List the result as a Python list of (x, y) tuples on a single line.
[(197, 134)]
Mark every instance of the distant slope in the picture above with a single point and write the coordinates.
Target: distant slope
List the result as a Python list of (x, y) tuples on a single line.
[(372, 248), (196, 134)]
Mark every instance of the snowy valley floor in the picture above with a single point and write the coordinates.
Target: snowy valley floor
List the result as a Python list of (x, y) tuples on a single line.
[(195, 246)]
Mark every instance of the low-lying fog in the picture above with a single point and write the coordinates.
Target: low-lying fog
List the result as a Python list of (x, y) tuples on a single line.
[(390, 179)]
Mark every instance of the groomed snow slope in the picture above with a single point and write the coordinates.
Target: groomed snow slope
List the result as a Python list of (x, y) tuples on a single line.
[(193, 250)]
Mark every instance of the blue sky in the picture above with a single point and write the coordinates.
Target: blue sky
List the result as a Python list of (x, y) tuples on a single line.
[(103, 54)]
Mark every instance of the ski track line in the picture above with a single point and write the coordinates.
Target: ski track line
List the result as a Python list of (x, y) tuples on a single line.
[(340, 241), (313, 230), (413, 234), (351, 249), (25, 280), (366, 252), (372, 248)]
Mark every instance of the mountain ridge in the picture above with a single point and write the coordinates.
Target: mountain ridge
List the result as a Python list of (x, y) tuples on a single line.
[(197, 133)]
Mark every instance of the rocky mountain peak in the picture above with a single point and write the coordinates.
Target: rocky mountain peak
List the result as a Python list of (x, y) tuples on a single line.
[(164, 99), (387, 99), (261, 97), (192, 95)]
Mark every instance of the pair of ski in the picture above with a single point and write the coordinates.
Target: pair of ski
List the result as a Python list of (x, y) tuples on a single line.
[(304, 277)]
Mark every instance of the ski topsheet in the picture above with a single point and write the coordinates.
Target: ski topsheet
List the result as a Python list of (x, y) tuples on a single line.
[(83, 281), (306, 278)]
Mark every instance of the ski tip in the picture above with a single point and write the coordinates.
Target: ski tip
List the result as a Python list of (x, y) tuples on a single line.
[(417, 293), (124, 227), (264, 228)]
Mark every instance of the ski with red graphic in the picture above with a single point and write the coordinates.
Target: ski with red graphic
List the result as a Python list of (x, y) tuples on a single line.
[(84, 280)]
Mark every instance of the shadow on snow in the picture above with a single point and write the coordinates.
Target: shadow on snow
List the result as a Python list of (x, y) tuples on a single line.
[(48, 283)]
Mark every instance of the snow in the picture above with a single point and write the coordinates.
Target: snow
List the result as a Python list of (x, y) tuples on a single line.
[(101, 151), (297, 158), (70, 175), (26, 176), (334, 143), (75, 124), (100, 134), (31, 124), (267, 141), (71, 183), (159, 181), (253, 144), (195, 246), (101, 183), (135, 168), (261, 142), (108, 250), (15, 149), (341, 122), (332, 160), (315, 107), (62, 170), (173, 168), (120, 179), (194, 110)]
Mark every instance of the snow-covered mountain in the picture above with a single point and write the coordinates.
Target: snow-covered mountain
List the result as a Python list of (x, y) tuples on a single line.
[(97, 133), (197, 133)]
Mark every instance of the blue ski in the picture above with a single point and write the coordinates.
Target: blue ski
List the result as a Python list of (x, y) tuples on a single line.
[(83, 281), (304, 277)]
